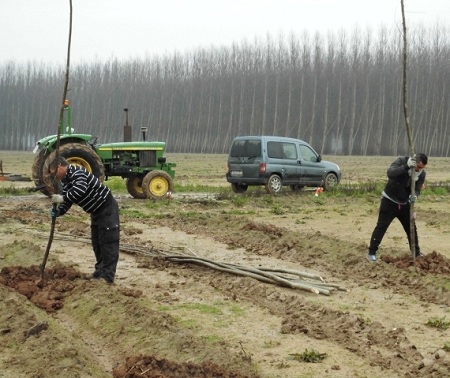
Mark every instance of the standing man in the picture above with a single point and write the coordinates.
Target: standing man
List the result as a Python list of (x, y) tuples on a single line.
[(86, 190), (396, 199)]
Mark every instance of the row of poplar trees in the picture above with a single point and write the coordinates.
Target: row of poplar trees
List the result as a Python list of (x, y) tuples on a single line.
[(340, 92)]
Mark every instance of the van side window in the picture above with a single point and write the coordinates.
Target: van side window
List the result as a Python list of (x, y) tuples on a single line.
[(275, 150), (307, 153), (289, 150), (246, 148)]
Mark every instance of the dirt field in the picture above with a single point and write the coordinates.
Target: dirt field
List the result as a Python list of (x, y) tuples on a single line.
[(164, 318)]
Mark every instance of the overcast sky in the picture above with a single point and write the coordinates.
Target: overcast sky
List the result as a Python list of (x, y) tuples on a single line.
[(33, 30)]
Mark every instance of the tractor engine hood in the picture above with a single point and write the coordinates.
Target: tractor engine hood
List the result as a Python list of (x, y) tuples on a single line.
[(130, 146)]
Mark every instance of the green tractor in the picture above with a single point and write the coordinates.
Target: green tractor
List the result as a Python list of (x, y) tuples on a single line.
[(142, 164)]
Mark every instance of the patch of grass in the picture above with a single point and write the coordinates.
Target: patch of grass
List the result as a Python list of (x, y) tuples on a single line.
[(268, 200), (200, 307), (239, 201), (357, 188), (156, 204), (191, 324), (443, 283), (439, 323), (195, 188), (116, 184), (225, 194), (439, 189), (133, 213), (215, 309), (277, 210), (239, 212), (203, 308), (21, 252), (271, 344), (212, 338), (236, 310), (13, 191), (190, 214), (446, 346), (309, 356)]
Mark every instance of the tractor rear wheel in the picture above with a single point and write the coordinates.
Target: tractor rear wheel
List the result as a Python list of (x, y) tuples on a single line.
[(36, 170), (78, 155), (157, 184), (134, 187)]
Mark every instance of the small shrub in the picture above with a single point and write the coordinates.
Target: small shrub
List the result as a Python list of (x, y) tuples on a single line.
[(439, 323), (309, 356), (277, 210), (239, 201)]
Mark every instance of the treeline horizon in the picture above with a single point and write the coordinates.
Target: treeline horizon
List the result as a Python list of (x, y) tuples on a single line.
[(342, 93)]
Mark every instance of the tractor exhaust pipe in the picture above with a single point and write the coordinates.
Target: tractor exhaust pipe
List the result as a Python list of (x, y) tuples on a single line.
[(143, 131), (126, 128)]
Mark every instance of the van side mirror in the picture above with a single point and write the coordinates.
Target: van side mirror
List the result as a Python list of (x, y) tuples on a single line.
[(319, 158)]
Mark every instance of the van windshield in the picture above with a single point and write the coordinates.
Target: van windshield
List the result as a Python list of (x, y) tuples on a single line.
[(246, 148)]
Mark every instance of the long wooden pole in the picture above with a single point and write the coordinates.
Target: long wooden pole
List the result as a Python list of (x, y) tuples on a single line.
[(58, 137), (409, 133)]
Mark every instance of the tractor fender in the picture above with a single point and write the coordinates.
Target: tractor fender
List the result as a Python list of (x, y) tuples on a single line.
[(49, 142)]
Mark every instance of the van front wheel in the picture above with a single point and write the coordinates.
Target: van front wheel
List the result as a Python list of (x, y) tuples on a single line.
[(239, 188), (330, 181), (274, 184)]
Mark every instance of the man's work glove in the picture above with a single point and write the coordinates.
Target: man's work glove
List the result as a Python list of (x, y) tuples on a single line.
[(411, 162), (54, 212), (57, 198), (412, 198)]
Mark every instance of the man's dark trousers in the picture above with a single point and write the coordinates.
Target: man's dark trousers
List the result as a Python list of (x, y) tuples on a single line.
[(105, 238), (388, 212)]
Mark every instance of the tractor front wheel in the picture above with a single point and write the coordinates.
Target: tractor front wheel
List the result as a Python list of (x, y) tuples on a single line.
[(134, 187), (157, 184)]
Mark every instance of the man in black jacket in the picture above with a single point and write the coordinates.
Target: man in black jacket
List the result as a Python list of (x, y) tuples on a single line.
[(86, 190), (396, 199)]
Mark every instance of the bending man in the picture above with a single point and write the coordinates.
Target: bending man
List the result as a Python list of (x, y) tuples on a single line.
[(86, 190)]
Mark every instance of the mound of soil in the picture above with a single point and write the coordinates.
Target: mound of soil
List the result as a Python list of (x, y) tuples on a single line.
[(433, 262), (48, 292), (152, 367)]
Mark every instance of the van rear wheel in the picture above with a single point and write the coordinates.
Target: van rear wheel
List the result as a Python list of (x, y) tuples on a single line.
[(274, 184), (239, 188)]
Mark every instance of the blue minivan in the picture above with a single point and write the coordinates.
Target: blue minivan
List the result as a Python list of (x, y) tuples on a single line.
[(276, 162)]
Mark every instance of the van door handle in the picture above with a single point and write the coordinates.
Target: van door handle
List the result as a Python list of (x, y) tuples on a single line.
[(299, 162)]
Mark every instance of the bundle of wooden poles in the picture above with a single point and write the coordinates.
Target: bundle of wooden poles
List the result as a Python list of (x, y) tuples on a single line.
[(278, 276)]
